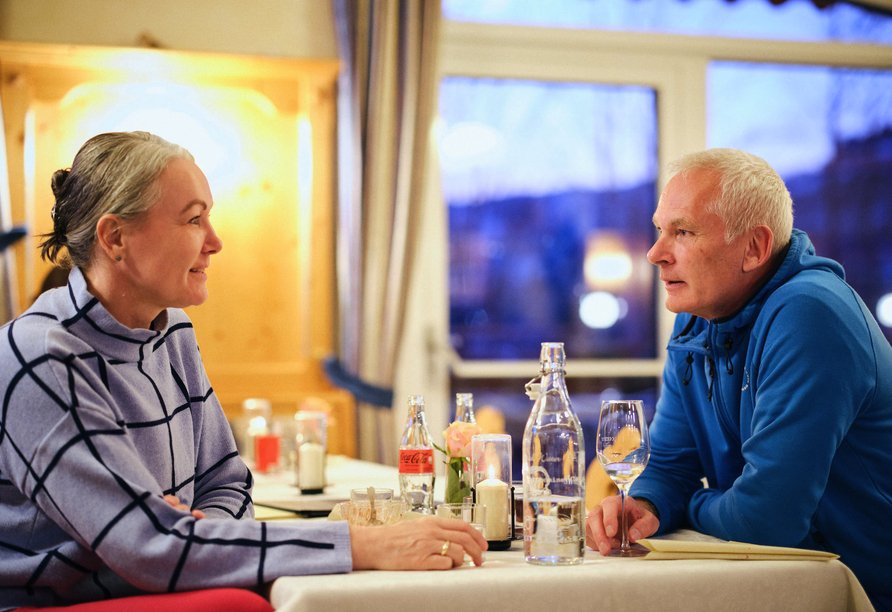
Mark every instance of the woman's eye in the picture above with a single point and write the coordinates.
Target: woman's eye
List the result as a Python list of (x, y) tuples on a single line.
[(195, 220)]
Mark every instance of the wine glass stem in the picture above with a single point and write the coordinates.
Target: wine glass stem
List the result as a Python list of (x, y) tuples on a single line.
[(625, 526)]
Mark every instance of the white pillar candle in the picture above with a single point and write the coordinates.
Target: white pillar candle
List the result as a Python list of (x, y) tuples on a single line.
[(494, 494), (311, 466)]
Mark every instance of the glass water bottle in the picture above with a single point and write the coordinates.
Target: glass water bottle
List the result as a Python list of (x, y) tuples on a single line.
[(553, 470)]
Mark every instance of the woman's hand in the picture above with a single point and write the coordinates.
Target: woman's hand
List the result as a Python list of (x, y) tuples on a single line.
[(602, 523), (174, 501), (418, 544)]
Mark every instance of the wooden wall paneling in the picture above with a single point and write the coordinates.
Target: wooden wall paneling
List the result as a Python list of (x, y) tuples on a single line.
[(270, 318)]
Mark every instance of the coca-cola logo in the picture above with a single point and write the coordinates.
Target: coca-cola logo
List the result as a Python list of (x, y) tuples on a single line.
[(417, 457), (417, 461)]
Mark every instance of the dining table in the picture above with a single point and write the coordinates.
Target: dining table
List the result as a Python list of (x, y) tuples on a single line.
[(506, 581), (276, 495)]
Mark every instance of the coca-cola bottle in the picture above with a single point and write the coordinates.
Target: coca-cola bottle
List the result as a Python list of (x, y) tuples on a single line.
[(417, 460)]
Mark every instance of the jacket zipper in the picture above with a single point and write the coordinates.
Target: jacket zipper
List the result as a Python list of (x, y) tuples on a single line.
[(725, 419)]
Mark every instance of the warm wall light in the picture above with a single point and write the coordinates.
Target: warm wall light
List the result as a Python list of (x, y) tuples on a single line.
[(200, 119), (607, 262)]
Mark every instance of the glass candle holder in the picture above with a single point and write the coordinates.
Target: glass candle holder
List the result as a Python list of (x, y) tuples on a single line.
[(311, 442), (491, 486), (257, 417)]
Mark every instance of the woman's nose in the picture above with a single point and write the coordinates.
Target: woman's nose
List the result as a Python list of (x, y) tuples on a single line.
[(212, 242)]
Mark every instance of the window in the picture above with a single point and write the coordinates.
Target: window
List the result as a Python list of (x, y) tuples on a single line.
[(523, 110), (798, 20), (550, 189)]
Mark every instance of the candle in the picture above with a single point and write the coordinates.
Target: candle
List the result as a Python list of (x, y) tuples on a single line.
[(494, 494), (311, 466)]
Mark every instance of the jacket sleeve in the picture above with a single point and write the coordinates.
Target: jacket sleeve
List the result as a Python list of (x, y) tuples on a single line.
[(674, 470), (803, 403), (66, 452)]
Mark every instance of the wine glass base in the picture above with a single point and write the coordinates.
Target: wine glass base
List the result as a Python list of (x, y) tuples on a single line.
[(634, 550)]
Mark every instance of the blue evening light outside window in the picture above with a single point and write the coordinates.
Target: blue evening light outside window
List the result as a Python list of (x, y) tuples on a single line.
[(828, 133), (797, 20), (550, 189)]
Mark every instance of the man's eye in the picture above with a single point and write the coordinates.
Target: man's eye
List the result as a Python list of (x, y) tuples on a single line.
[(683, 232)]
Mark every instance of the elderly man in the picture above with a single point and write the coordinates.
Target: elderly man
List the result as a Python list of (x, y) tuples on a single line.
[(777, 387)]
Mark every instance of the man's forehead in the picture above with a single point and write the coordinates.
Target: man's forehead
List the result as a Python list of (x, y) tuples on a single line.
[(686, 196)]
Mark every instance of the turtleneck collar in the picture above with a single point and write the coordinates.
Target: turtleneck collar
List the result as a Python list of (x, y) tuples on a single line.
[(85, 317)]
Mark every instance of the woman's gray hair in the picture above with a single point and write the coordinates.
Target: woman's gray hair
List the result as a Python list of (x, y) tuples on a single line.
[(750, 192), (114, 173)]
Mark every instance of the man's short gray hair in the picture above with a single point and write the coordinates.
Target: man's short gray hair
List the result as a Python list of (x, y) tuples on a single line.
[(750, 192), (114, 173)]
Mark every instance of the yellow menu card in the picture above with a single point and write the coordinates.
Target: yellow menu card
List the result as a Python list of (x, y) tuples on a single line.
[(686, 544)]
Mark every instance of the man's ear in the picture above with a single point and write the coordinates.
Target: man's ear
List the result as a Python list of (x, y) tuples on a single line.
[(109, 236), (758, 248)]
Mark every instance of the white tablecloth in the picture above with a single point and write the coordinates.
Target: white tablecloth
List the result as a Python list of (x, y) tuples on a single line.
[(342, 474), (507, 582)]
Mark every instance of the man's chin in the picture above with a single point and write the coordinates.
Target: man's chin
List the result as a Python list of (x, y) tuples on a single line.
[(675, 308)]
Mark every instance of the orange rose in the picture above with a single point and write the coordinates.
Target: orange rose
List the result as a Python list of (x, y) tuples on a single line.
[(458, 438)]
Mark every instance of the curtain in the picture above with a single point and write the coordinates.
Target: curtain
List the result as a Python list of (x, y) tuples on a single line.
[(8, 289), (386, 106)]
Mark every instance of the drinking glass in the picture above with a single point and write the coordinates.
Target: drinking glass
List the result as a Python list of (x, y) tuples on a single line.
[(475, 514), (623, 450), (366, 493)]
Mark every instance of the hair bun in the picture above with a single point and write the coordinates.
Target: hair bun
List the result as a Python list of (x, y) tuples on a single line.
[(58, 180)]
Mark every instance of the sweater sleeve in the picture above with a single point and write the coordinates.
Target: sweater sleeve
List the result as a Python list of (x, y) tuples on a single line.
[(223, 483), (802, 409), (66, 450)]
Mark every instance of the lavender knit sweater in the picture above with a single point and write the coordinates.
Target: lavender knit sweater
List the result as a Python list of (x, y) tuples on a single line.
[(97, 423)]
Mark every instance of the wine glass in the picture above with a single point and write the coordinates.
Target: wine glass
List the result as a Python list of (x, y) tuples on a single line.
[(623, 450)]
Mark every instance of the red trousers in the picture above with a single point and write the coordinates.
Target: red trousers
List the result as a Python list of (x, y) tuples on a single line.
[(211, 600)]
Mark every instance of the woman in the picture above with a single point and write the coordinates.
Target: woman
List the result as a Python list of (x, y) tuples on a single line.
[(118, 472)]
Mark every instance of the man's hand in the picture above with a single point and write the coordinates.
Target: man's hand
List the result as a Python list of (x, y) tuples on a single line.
[(174, 501), (602, 524), (429, 543)]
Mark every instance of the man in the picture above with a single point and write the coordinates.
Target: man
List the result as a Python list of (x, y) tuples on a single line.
[(777, 386)]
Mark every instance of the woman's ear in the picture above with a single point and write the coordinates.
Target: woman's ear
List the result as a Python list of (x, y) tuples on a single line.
[(109, 236), (758, 248)]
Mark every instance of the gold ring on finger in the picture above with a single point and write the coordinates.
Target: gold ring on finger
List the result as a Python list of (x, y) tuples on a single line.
[(445, 549)]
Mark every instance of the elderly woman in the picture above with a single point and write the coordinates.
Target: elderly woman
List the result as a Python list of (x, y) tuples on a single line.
[(119, 476)]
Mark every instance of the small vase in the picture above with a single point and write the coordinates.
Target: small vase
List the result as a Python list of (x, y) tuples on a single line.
[(458, 481)]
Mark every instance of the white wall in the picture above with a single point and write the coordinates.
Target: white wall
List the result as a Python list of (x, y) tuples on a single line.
[(286, 28)]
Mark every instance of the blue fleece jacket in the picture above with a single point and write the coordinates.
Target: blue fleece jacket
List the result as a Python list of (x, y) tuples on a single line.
[(97, 423), (786, 409)]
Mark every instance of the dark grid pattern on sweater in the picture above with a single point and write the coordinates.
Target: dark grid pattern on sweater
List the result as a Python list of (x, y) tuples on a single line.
[(70, 404)]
